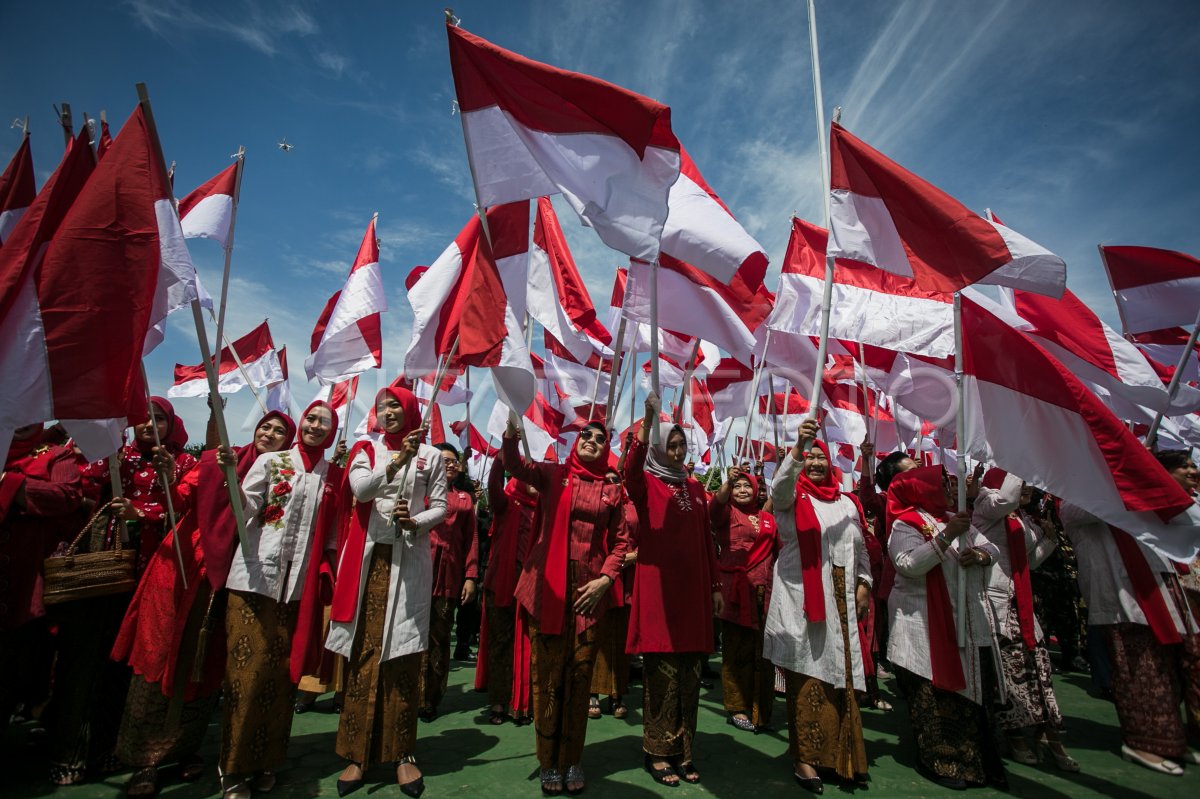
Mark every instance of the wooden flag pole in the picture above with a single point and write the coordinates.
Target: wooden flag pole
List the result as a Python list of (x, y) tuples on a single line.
[(773, 409), (685, 389), (467, 374), (654, 384), (596, 387), (166, 484), (231, 478), (64, 120), (960, 434), (237, 193), (242, 368)]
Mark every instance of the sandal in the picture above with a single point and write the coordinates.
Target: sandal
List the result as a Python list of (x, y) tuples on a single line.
[(144, 782), (688, 772), (1058, 753), (594, 707), (664, 776), (1021, 752), (575, 775), (552, 781), (619, 710), (65, 774)]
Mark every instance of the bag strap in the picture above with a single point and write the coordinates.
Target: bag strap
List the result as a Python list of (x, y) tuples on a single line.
[(88, 526)]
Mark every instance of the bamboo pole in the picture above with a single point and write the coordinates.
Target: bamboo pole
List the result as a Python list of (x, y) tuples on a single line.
[(960, 433), (237, 193)]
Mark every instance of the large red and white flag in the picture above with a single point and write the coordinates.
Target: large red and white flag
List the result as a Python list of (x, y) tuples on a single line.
[(105, 141), (578, 380), (637, 335), (17, 189), (470, 437), (278, 396), (207, 213), (1153, 288), (72, 339), (695, 303), (1042, 424), (1164, 348), (702, 231), (542, 425), (730, 386), (340, 396), (556, 295), (347, 339), (882, 214), (461, 298), (1114, 368), (260, 367), (533, 130), (869, 305)]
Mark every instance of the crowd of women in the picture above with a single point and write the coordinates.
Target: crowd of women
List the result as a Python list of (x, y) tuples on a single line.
[(351, 566)]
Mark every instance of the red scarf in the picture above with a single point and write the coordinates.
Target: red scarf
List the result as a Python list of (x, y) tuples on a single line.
[(1145, 588), (412, 416), (808, 534), (738, 590), (909, 493), (1018, 559), (556, 505), (167, 409), (311, 455)]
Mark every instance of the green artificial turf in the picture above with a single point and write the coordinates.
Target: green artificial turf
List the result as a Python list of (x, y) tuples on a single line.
[(462, 755)]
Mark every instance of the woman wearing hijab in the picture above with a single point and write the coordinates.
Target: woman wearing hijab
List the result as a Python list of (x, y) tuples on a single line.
[(454, 543), (380, 616), (821, 584), (514, 507), (677, 588), (274, 613), (565, 588), (610, 674), (948, 683), (1021, 546), (167, 634), (40, 492), (85, 711), (747, 542)]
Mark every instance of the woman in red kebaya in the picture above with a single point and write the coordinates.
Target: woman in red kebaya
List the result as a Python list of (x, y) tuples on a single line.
[(565, 588), (676, 590)]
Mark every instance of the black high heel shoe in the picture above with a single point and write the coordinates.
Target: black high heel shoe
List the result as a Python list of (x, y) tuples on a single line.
[(810, 784), (347, 787), (414, 788)]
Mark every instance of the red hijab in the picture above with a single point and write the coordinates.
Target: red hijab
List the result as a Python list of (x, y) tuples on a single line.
[(1018, 561), (312, 455), (923, 489), (752, 506), (412, 415), (808, 532), (557, 502), (18, 451), (167, 410)]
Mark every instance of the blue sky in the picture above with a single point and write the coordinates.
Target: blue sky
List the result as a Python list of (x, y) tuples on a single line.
[(1075, 121)]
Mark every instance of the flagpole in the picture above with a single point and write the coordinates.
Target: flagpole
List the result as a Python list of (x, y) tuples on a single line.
[(351, 394), (685, 389), (618, 365), (231, 478), (467, 373), (1173, 386), (754, 384), (774, 411), (960, 434), (166, 485), (237, 193), (241, 367), (654, 384), (428, 412), (64, 120), (596, 387), (827, 293)]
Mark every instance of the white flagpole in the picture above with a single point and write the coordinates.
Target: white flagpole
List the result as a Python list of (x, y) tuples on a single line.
[(1173, 386), (771, 408), (827, 293), (654, 384), (237, 193), (596, 387), (467, 377), (618, 364), (231, 479), (960, 434)]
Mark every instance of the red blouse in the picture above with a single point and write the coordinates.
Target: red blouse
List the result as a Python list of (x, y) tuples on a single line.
[(677, 570), (512, 526), (736, 535), (455, 545)]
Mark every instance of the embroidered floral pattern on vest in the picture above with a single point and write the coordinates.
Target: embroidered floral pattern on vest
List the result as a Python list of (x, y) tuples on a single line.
[(279, 490)]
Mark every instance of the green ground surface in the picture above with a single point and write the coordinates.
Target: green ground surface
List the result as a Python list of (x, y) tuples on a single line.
[(462, 755)]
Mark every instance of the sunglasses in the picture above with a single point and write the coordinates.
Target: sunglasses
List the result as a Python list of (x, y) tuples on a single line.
[(592, 435)]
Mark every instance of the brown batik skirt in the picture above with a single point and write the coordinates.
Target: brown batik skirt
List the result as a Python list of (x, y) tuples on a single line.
[(1031, 701), (747, 680), (258, 685), (562, 681), (824, 723), (1147, 689), (379, 711), (670, 702), (947, 727), (610, 676), (501, 626), (434, 674)]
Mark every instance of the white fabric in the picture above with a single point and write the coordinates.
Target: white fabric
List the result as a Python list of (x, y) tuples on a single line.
[(210, 218), (1155, 306), (343, 352), (272, 562), (702, 233), (861, 229), (410, 583), (1102, 577), (1168, 355), (1033, 268), (623, 197), (263, 372), (914, 556), (9, 220), (546, 307), (539, 440), (789, 641), (178, 284)]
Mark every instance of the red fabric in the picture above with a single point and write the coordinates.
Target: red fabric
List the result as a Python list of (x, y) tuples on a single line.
[(568, 285), (513, 513), (17, 186), (677, 569), (1131, 267), (351, 543), (948, 246), (522, 699), (808, 534), (221, 183), (910, 492), (305, 657), (311, 455), (1145, 588), (455, 545), (250, 347), (743, 568), (1018, 559)]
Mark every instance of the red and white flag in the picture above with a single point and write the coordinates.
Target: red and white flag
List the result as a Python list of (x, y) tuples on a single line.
[(347, 339), (260, 367), (62, 351), (17, 189), (207, 213), (556, 295), (542, 424), (105, 142), (578, 380), (461, 297), (471, 437), (694, 303), (340, 396), (702, 231), (1042, 424), (1163, 348), (1153, 288), (868, 305), (278, 396), (882, 214), (730, 385), (533, 130)]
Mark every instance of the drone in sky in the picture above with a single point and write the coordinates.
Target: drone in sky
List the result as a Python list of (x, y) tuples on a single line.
[(284, 145)]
